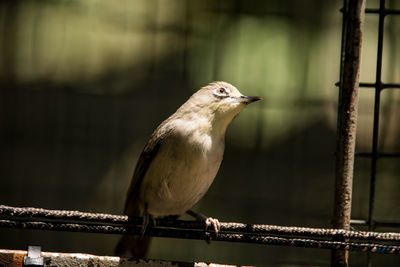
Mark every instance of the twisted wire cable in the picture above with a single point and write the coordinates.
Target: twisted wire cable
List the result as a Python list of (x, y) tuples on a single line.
[(76, 221)]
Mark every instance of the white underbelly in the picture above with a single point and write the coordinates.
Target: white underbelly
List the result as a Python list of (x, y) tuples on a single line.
[(178, 177)]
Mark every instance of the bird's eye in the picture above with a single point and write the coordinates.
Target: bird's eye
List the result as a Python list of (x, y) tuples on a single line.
[(220, 92)]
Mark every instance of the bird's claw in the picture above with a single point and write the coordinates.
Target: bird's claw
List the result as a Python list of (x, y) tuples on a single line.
[(214, 223), (208, 222)]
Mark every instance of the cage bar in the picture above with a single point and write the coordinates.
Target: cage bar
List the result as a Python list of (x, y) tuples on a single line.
[(353, 20)]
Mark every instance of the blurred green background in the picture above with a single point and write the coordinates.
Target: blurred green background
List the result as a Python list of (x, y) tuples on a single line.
[(84, 84)]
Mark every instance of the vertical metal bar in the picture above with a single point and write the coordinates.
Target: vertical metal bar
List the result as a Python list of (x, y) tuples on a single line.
[(347, 120), (375, 131)]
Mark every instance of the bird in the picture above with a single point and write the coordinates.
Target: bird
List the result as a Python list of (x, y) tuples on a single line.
[(180, 161)]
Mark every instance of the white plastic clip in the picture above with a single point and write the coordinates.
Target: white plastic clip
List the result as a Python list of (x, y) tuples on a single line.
[(33, 258)]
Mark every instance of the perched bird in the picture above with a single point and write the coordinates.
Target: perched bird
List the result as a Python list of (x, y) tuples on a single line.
[(181, 159)]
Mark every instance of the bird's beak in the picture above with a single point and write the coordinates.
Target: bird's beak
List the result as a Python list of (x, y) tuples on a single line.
[(249, 99)]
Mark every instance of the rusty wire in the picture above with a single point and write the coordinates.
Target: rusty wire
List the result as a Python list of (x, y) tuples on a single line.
[(76, 221), (205, 235)]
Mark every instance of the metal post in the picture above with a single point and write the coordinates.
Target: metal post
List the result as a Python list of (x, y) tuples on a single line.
[(353, 19), (375, 133)]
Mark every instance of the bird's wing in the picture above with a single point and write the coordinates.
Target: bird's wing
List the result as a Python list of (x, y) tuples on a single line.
[(148, 154)]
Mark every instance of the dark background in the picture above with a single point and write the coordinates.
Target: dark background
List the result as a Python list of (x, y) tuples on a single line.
[(84, 83)]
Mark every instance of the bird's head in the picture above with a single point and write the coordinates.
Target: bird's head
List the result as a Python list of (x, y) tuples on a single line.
[(219, 101), (222, 99)]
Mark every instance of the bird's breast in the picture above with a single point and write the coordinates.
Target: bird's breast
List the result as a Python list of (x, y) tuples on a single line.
[(181, 173)]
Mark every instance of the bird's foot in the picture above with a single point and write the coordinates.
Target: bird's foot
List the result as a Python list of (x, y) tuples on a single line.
[(146, 220), (214, 223), (208, 222)]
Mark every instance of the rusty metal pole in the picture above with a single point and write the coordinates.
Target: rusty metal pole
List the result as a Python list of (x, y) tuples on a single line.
[(353, 21)]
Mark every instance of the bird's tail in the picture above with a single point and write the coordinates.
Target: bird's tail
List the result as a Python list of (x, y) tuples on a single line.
[(135, 246)]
